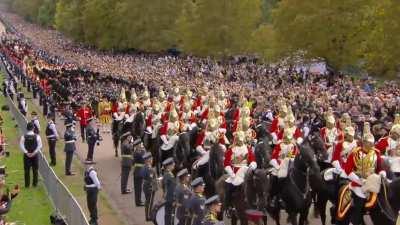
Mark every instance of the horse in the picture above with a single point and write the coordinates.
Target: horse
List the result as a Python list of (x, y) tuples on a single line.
[(263, 148), (385, 211), (296, 188), (182, 151), (257, 187)]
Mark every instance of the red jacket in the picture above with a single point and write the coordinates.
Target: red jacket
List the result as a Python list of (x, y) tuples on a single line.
[(277, 152), (84, 113), (230, 157), (383, 145), (339, 155)]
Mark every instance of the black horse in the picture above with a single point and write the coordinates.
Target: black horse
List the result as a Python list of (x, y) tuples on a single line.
[(303, 177), (263, 149), (257, 187)]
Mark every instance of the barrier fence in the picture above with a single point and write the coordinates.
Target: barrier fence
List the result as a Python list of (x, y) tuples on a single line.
[(62, 199)]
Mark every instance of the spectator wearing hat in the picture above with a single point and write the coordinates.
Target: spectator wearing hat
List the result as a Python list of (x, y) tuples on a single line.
[(197, 201), (83, 115), (213, 207), (169, 184), (70, 147), (149, 175), (36, 123), (92, 137), (52, 136), (31, 145), (182, 196)]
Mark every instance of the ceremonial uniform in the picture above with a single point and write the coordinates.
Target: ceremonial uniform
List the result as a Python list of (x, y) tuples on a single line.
[(138, 163), (182, 197), (212, 211), (83, 114), (341, 152), (150, 186), (104, 112), (196, 203), (168, 135), (126, 162), (169, 184), (69, 147)]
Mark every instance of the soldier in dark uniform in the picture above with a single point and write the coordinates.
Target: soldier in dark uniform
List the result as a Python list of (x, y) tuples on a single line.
[(138, 163), (213, 207), (169, 184), (52, 136), (69, 148), (31, 145), (197, 201), (92, 187), (182, 196), (92, 138), (150, 187), (126, 160)]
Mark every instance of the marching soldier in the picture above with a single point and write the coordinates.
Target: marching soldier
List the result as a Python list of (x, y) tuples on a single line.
[(169, 185), (361, 163), (69, 148), (138, 163), (83, 115), (52, 136), (126, 160), (197, 201), (104, 114), (213, 206), (182, 196), (92, 187), (150, 187)]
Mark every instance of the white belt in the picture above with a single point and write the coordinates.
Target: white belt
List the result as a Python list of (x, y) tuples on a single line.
[(67, 142), (50, 136), (90, 185)]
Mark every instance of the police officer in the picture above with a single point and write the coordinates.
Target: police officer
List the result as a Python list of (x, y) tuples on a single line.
[(36, 123), (182, 196), (52, 136), (149, 175), (138, 163), (197, 201), (92, 138), (31, 145), (92, 187), (213, 206), (169, 185), (126, 160), (69, 147)]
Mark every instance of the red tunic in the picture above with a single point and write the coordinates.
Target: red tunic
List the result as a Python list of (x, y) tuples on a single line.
[(84, 113), (339, 155), (383, 145), (323, 133), (276, 153), (297, 134), (230, 157)]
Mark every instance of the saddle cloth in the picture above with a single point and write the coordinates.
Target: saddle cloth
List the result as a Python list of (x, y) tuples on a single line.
[(344, 202)]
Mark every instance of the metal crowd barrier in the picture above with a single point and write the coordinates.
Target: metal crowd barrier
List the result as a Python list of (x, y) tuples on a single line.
[(62, 199)]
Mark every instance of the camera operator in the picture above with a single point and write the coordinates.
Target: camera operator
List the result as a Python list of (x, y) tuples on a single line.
[(30, 145), (92, 137)]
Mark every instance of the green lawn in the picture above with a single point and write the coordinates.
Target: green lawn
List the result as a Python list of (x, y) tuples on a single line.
[(31, 206)]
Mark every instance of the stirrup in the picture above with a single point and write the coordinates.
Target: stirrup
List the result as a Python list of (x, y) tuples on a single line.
[(230, 211)]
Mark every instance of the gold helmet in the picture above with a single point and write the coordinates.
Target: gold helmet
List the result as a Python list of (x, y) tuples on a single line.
[(123, 94), (212, 101), (246, 122), (161, 95), (187, 107), (396, 125), (221, 94), (176, 91), (146, 94), (282, 108), (173, 115), (212, 124), (367, 135), (245, 111), (189, 93), (240, 137), (156, 107), (349, 130), (329, 117), (290, 118)]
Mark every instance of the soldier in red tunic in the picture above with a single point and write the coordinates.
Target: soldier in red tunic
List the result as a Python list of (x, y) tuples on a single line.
[(83, 114)]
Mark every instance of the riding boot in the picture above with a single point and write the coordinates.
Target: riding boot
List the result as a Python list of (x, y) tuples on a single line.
[(274, 199), (357, 210)]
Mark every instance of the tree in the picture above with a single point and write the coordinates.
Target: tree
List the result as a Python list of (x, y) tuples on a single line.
[(68, 18), (321, 28), (46, 13), (219, 28)]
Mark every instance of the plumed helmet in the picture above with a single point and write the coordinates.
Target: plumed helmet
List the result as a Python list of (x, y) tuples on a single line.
[(367, 135), (349, 131)]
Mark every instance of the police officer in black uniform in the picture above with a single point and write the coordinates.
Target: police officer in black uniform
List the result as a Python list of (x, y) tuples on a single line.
[(138, 163), (92, 137), (182, 196), (52, 136), (197, 201), (92, 187), (213, 207), (69, 147), (169, 184), (31, 145), (126, 160), (149, 175)]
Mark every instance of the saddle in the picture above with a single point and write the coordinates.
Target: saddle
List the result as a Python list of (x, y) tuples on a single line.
[(345, 200)]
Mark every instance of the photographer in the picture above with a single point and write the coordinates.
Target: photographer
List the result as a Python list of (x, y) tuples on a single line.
[(30, 145), (6, 197), (92, 137)]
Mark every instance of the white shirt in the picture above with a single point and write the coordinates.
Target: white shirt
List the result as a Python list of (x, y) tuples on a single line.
[(38, 140), (95, 179), (52, 127)]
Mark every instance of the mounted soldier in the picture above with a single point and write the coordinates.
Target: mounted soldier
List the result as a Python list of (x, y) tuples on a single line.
[(169, 135), (279, 122)]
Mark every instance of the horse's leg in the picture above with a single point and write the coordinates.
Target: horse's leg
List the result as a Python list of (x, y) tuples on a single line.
[(265, 220), (315, 197), (320, 205), (292, 218), (304, 215), (233, 219)]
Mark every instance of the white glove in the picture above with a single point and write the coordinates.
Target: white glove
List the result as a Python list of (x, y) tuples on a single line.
[(149, 130), (229, 171), (382, 174), (353, 177), (274, 163), (299, 141), (253, 166), (200, 150), (164, 139)]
